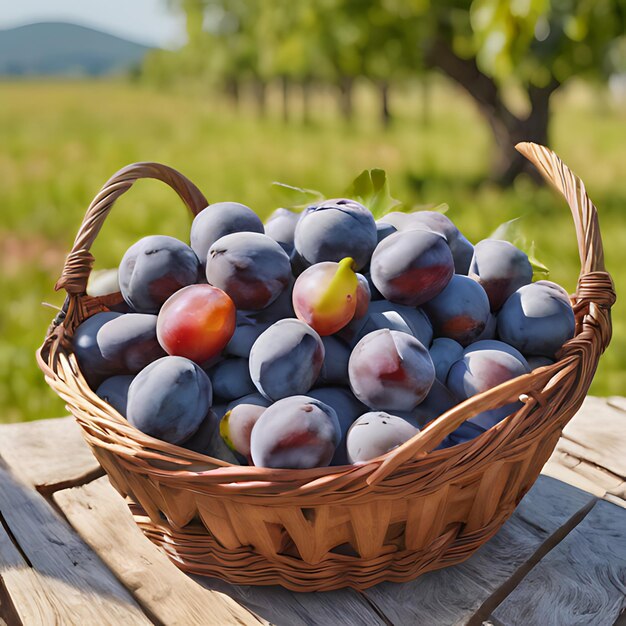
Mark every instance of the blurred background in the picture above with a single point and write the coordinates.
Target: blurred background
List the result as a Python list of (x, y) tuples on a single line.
[(239, 93)]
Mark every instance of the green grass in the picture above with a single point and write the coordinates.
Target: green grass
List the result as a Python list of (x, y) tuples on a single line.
[(60, 141)]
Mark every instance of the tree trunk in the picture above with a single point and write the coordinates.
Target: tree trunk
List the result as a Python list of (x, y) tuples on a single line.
[(507, 128), (260, 96), (385, 113), (285, 93), (508, 163), (232, 90), (345, 100), (306, 102)]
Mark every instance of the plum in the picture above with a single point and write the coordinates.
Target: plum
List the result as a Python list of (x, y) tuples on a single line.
[(376, 433), (252, 398), (114, 391), (334, 229), (131, 341), (537, 319), (335, 366), (538, 361), (491, 329), (281, 227), (154, 268), (460, 311), (363, 296), (250, 267), (384, 314), (91, 361), (439, 400), (383, 230), (325, 295), (231, 379), (219, 219), (207, 440), (295, 432), (169, 399), (347, 406), (444, 352), (390, 370), (461, 249), (196, 322), (236, 427), (286, 359), (412, 267), (500, 268), (247, 330), (482, 369)]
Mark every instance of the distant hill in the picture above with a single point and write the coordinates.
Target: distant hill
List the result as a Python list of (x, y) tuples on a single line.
[(51, 49)]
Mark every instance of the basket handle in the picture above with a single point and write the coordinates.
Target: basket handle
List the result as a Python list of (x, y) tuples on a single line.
[(79, 261), (594, 286)]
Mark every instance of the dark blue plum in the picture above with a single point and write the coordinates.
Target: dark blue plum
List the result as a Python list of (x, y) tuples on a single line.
[(412, 267), (131, 341), (91, 361), (491, 329), (281, 227), (252, 398), (335, 229), (335, 366), (390, 370), (169, 399), (444, 352), (153, 269), (219, 219), (247, 331), (482, 369), (460, 311), (383, 230), (231, 379), (500, 268), (286, 359), (114, 391), (439, 400), (538, 361), (347, 406), (207, 440), (376, 433), (295, 432), (537, 319), (461, 249), (250, 267), (384, 314)]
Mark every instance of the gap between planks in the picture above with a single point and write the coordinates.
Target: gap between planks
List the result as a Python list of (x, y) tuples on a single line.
[(502, 592)]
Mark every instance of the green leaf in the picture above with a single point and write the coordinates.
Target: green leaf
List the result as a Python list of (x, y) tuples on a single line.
[(371, 189), (438, 208), (512, 231), (296, 197)]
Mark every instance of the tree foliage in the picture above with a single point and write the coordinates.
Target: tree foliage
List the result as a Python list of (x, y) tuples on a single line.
[(485, 46)]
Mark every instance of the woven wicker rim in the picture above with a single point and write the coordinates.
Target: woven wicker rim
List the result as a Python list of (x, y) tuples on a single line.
[(177, 466)]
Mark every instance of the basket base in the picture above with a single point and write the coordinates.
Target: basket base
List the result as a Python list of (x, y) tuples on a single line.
[(195, 551)]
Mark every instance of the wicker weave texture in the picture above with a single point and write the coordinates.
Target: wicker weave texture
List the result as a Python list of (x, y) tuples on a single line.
[(412, 510)]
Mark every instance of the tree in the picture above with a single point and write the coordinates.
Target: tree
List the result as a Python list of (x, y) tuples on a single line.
[(487, 45)]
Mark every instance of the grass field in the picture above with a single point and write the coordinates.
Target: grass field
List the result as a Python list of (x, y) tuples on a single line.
[(60, 141)]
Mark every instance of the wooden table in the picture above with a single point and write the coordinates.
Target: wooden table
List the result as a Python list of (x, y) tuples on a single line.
[(71, 554)]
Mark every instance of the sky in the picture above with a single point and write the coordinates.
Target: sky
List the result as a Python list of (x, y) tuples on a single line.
[(145, 21)]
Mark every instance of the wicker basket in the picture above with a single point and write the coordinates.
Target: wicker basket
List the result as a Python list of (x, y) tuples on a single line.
[(412, 510)]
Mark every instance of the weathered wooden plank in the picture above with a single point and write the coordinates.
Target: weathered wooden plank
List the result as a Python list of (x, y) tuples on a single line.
[(582, 581), (50, 574), (101, 517), (453, 595), (48, 453), (597, 434)]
